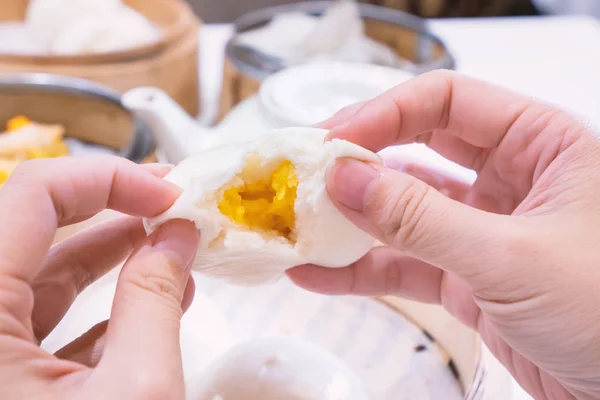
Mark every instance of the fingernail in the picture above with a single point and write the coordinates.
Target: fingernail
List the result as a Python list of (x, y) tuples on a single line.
[(158, 169), (157, 164), (352, 182), (179, 239), (175, 189), (335, 132)]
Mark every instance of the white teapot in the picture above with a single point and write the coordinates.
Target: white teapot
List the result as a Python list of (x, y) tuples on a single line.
[(297, 96)]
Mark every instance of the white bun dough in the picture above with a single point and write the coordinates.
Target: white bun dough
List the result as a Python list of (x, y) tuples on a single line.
[(240, 255)]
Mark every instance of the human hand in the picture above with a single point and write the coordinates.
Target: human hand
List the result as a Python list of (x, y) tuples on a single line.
[(136, 354), (513, 256)]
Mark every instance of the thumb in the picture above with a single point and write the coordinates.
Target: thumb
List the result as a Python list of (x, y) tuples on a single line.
[(143, 332), (406, 213)]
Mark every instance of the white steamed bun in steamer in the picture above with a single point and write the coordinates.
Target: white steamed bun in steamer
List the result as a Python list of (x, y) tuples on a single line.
[(278, 369), (48, 18), (262, 207), (123, 29), (69, 27)]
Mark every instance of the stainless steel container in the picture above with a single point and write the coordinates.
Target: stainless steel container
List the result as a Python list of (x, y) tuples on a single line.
[(245, 68), (404, 32)]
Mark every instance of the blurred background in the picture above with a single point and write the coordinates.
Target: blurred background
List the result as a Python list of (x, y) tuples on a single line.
[(227, 10), (161, 80)]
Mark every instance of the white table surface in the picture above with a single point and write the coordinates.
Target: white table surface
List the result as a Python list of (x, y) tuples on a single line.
[(556, 59)]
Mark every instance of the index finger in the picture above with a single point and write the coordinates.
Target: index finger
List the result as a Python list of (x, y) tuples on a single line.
[(455, 115), (42, 193)]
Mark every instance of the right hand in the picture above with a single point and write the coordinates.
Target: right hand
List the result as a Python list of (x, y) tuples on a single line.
[(515, 256)]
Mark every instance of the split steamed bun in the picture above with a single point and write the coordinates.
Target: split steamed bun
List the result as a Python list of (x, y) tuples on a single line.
[(279, 369), (262, 207)]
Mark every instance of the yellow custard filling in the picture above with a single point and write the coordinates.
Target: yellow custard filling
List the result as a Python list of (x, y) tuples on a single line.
[(263, 203)]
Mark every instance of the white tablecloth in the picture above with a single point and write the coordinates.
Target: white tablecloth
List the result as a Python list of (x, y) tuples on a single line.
[(556, 59)]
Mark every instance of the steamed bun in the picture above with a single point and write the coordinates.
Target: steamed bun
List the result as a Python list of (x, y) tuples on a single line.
[(262, 207), (69, 27), (279, 369)]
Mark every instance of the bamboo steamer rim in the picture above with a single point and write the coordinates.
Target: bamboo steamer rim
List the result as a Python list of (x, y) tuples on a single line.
[(472, 381), (169, 35), (131, 66)]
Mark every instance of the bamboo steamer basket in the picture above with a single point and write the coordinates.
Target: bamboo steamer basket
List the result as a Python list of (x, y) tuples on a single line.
[(172, 16), (170, 64), (404, 33)]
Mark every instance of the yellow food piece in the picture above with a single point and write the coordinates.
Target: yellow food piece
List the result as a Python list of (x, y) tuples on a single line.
[(6, 168), (4, 175), (264, 203), (56, 149), (49, 144), (17, 123)]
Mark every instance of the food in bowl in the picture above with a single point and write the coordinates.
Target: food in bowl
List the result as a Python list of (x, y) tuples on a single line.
[(26, 140)]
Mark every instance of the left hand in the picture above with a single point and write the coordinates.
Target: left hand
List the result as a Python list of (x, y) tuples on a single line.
[(136, 354)]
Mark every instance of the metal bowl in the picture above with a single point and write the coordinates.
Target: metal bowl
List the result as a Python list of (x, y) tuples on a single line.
[(424, 49), (90, 112)]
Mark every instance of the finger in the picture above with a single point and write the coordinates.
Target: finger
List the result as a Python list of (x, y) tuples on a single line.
[(385, 271), (405, 213), (86, 349), (143, 333), (42, 193), (156, 169), (459, 117), (75, 220), (341, 116), (453, 188), (439, 180), (75, 263), (188, 294)]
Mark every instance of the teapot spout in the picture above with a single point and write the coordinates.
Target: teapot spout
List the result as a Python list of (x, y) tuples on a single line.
[(174, 130)]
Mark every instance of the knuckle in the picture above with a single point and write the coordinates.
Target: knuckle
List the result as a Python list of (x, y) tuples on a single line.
[(402, 211), (16, 298), (159, 276), (519, 240), (393, 278), (149, 386), (81, 277), (73, 276)]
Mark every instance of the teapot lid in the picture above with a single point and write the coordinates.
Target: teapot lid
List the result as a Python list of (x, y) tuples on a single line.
[(310, 93)]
